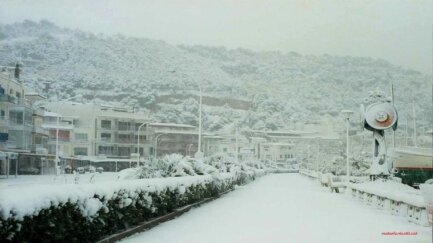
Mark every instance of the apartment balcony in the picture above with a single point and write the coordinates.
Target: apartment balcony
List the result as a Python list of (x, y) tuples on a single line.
[(8, 99), (80, 141), (125, 141), (61, 140), (39, 149), (125, 131), (38, 112), (40, 130), (112, 128), (4, 121), (20, 126), (104, 142)]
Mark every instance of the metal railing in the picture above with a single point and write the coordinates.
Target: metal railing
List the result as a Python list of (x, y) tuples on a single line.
[(40, 130)]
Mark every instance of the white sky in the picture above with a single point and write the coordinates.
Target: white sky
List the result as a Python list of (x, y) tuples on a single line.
[(399, 31)]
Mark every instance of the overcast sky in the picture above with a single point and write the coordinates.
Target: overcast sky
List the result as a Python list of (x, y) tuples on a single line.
[(399, 31)]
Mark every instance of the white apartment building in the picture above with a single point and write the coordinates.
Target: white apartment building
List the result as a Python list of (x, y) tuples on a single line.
[(97, 130), (112, 132)]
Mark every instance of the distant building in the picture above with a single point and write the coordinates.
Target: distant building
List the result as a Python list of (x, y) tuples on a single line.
[(96, 130), (20, 123), (22, 137), (287, 146), (112, 132)]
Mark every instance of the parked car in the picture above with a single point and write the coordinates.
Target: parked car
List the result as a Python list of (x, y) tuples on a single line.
[(90, 169), (28, 171), (68, 169), (100, 169), (80, 170)]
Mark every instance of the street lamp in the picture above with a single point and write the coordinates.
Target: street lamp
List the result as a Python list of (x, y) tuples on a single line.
[(57, 145), (138, 143), (318, 154), (237, 143), (347, 114), (188, 149), (156, 144), (199, 153)]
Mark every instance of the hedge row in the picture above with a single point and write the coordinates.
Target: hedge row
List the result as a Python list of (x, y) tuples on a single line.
[(106, 209)]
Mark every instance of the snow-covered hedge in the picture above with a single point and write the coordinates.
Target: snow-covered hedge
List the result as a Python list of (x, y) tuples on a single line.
[(176, 165), (89, 212)]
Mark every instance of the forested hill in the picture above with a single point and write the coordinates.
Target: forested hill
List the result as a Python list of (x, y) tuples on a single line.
[(265, 90)]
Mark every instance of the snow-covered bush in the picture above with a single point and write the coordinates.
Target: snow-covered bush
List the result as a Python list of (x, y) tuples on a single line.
[(89, 212), (176, 165)]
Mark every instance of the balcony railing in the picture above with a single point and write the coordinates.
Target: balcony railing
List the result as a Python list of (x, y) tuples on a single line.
[(125, 141), (40, 130), (4, 120), (121, 129), (14, 100), (8, 98), (53, 139)]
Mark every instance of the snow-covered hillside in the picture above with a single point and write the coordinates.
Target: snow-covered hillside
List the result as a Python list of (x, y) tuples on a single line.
[(264, 90)]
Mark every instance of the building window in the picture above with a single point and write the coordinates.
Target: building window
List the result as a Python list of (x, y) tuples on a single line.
[(80, 151), (107, 150), (16, 117), (81, 136), (106, 124), (63, 135), (37, 140), (106, 136), (142, 137), (125, 126), (124, 138), (124, 151), (137, 125)]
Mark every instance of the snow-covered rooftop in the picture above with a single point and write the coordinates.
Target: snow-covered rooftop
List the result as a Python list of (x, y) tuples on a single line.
[(51, 114)]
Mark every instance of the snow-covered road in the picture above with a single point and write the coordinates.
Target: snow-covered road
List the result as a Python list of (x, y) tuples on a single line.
[(284, 208)]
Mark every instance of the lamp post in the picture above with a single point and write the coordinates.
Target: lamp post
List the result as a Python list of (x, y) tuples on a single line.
[(347, 114), (57, 145), (188, 149), (318, 154), (199, 153), (237, 143), (138, 143), (156, 144)]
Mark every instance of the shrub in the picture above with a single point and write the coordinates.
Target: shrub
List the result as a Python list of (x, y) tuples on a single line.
[(86, 213)]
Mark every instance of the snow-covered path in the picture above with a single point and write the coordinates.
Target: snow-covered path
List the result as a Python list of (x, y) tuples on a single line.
[(284, 208)]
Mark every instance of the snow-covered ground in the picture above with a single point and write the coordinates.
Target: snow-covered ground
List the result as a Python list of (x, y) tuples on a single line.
[(285, 208), (29, 180)]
